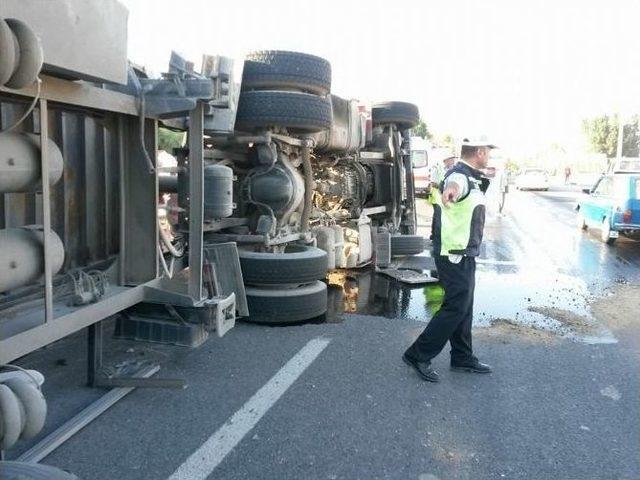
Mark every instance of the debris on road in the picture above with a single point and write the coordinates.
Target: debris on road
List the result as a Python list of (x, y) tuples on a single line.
[(611, 392), (619, 309)]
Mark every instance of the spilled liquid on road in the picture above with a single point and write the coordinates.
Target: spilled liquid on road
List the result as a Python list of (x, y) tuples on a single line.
[(536, 299)]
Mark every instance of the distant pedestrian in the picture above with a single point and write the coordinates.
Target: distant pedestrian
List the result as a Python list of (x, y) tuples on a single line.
[(458, 225), (440, 167), (567, 175)]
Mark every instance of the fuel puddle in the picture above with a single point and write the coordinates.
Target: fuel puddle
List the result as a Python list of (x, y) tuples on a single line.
[(533, 302), (367, 293)]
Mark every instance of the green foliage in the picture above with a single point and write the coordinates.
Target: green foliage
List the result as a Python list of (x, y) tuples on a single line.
[(631, 137), (602, 134), (446, 140), (421, 130), (168, 139), (511, 166)]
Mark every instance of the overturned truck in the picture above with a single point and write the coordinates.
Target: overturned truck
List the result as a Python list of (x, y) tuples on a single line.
[(279, 180), (310, 178)]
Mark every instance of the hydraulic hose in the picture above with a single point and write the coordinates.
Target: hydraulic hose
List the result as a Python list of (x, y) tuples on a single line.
[(308, 187), (166, 241)]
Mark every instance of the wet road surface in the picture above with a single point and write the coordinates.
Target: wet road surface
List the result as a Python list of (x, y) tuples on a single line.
[(332, 400)]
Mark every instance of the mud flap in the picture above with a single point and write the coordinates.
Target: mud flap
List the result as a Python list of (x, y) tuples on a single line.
[(408, 276), (225, 314)]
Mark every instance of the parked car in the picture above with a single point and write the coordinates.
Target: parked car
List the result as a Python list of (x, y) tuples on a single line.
[(532, 179), (613, 206)]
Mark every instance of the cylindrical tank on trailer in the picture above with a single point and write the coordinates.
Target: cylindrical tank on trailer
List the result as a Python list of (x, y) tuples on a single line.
[(22, 256), (20, 167), (218, 192)]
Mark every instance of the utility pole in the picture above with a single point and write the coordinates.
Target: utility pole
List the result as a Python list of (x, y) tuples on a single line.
[(620, 136)]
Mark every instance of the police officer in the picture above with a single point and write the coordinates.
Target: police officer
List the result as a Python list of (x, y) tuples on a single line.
[(457, 226)]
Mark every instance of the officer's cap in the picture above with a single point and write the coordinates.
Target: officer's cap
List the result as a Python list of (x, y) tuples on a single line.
[(480, 141)]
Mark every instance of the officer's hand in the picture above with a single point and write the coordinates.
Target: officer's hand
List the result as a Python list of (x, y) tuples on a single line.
[(450, 194)]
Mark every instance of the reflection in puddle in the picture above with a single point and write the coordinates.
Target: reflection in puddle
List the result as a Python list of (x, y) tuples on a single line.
[(368, 293)]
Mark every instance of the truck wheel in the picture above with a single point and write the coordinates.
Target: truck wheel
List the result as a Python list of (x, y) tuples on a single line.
[(7, 52), (407, 244), (34, 404), (10, 418), (278, 69), (284, 306), (298, 112), (31, 57), (32, 471), (298, 264), (404, 115)]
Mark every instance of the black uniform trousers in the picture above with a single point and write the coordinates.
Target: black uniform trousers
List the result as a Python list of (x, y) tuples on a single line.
[(453, 321)]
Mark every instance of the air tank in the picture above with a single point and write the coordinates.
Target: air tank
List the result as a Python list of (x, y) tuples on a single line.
[(218, 192), (22, 256), (20, 167)]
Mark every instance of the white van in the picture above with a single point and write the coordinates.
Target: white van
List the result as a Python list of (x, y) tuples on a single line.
[(420, 162)]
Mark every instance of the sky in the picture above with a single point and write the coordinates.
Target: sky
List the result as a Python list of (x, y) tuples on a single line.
[(523, 73)]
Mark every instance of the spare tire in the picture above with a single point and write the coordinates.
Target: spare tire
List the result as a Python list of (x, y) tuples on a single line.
[(11, 418), (296, 111), (407, 244), (298, 264), (279, 69), (7, 52), (34, 404), (29, 62), (404, 115), (284, 306), (32, 471)]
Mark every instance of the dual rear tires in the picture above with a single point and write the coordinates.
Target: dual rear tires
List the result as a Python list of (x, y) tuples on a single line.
[(291, 90), (285, 288), (286, 90)]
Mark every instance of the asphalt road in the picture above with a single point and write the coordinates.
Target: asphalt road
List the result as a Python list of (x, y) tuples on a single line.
[(562, 401)]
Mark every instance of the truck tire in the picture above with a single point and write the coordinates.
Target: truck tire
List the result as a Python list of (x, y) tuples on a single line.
[(298, 264), (285, 306), (10, 418), (404, 115), (296, 111), (34, 404), (407, 244), (31, 56), (7, 52), (32, 471), (279, 69)]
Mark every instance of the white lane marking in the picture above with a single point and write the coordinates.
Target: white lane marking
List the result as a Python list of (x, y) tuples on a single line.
[(211, 453)]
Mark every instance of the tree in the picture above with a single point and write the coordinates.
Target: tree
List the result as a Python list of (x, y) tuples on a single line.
[(631, 137), (421, 130), (602, 134), (446, 140), (168, 139)]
